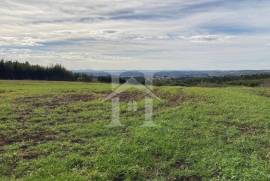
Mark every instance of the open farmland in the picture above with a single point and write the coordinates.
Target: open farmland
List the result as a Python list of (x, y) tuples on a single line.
[(59, 131)]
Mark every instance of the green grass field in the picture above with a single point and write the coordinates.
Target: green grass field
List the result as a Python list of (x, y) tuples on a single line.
[(58, 131)]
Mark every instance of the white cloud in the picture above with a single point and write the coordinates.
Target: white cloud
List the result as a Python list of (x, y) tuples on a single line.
[(208, 38), (145, 34), (19, 41)]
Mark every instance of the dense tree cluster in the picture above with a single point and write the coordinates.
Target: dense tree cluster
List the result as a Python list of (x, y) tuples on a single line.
[(16, 70)]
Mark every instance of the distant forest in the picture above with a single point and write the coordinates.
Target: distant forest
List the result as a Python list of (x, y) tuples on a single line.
[(241, 80), (14, 70)]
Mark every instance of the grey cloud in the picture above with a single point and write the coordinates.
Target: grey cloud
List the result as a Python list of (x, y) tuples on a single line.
[(175, 31)]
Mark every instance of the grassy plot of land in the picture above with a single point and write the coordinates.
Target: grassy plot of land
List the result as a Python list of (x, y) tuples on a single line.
[(58, 131)]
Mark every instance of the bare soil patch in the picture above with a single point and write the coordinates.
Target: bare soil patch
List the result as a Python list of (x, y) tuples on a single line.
[(180, 164), (127, 96), (131, 96), (24, 106), (249, 129), (29, 155), (34, 137), (180, 99), (3, 141), (176, 99), (54, 101), (186, 178), (245, 128)]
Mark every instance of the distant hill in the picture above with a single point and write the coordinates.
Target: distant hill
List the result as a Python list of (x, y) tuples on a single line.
[(173, 74)]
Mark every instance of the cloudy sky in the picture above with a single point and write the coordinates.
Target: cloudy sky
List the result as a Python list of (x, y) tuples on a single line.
[(137, 34)]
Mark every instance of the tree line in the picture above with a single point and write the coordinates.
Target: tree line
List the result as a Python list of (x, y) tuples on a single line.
[(14, 70), (215, 81)]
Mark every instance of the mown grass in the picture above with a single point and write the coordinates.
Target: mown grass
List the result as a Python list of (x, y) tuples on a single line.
[(58, 131)]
